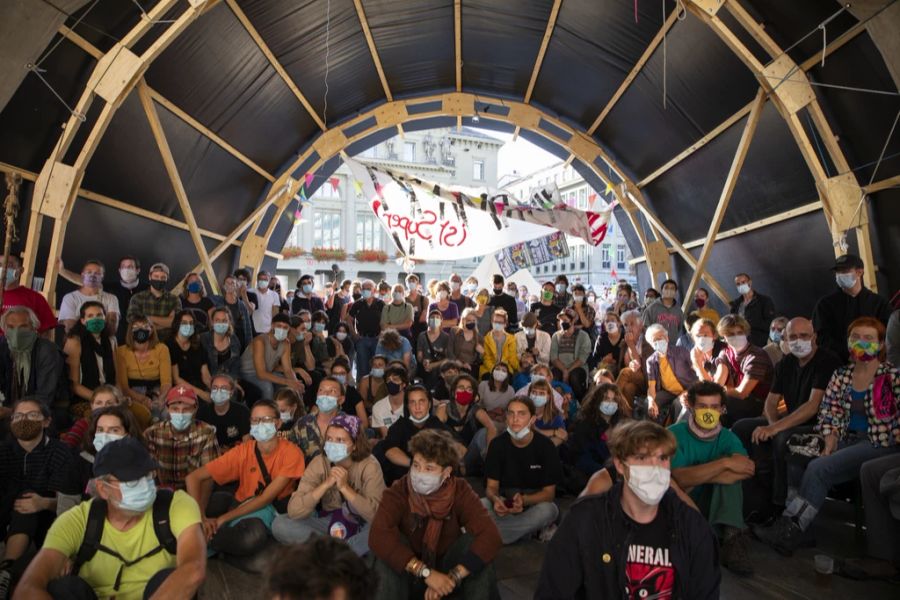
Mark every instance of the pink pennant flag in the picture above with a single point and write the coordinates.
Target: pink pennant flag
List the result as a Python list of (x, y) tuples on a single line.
[(335, 182), (309, 179)]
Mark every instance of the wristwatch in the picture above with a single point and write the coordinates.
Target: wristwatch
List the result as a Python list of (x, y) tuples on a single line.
[(425, 573)]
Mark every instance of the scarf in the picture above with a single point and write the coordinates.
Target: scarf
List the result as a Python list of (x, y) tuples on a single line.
[(130, 286), (90, 350), (435, 509)]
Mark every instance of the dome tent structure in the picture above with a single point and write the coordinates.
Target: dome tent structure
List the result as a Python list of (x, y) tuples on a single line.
[(732, 137)]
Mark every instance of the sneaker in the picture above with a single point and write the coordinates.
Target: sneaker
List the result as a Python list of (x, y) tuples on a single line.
[(5, 583), (546, 534), (784, 535), (736, 555)]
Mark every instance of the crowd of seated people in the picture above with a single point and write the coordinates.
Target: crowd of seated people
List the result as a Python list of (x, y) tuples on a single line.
[(168, 427)]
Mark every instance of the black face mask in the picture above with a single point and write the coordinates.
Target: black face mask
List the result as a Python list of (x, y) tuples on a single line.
[(498, 291), (393, 388), (565, 325), (158, 284), (356, 296), (471, 326), (141, 335)]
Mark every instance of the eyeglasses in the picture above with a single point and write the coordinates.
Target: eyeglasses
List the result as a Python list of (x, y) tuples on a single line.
[(34, 415), (263, 420), (221, 389)]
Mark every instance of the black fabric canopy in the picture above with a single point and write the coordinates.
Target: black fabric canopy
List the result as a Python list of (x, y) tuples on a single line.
[(217, 74)]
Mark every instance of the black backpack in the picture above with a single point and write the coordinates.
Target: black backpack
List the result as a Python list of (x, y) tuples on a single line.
[(93, 533)]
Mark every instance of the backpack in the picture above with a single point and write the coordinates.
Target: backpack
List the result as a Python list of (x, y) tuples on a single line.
[(93, 532)]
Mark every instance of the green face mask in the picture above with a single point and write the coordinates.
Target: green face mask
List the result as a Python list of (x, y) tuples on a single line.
[(95, 325), (20, 339), (547, 295)]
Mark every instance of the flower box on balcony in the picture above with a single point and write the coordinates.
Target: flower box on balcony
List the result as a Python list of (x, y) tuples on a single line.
[(379, 256), (329, 253)]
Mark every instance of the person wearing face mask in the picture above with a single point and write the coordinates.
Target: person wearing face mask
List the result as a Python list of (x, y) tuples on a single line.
[(859, 419), (710, 463), (181, 444), (353, 402), (342, 334), (546, 309), (290, 409), (449, 310), (305, 297), (609, 345), (90, 351), (106, 424), (433, 346), (195, 301), (522, 470), (569, 352), (499, 346), (307, 433), (550, 422), (502, 300), (701, 302), (236, 301), (230, 418), (495, 392), (449, 371), (143, 366), (16, 294), (468, 422), (584, 312), (417, 415), (389, 410), (465, 344), (798, 387), (397, 313), (141, 555), (189, 363), (457, 296), (29, 364), (666, 311), (834, 312), (365, 325), (36, 473), (103, 396), (431, 531), (419, 303), (533, 339), (705, 348), (562, 298), (267, 362), (670, 549), (743, 369), (602, 409), (483, 311), (221, 344), (669, 375), (686, 340), (757, 309), (336, 304), (300, 337), (156, 303), (267, 304), (324, 348), (513, 290), (776, 348), (91, 290), (339, 492), (265, 468)]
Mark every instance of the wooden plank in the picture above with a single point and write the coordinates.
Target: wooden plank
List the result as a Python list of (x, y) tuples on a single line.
[(828, 138), (79, 41), (156, 13), (457, 41), (718, 130), (734, 172), (364, 22), (264, 48), (542, 51), (755, 30), (172, 169), (884, 184)]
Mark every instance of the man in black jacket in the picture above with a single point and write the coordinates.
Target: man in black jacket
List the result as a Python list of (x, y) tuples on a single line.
[(637, 540), (759, 310), (834, 313), (501, 299)]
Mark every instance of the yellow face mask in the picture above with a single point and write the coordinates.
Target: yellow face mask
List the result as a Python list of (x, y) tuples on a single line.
[(707, 418), (481, 300)]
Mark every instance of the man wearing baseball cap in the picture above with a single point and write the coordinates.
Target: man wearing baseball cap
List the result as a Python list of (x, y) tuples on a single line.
[(182, 444), (835, 311), (122, 543)]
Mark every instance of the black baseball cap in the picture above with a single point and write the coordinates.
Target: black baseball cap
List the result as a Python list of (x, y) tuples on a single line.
[(847, 261), (126, 459)]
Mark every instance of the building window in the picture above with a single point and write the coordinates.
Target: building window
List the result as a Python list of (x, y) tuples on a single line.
[(604, 257), (327, 229), (409, 152), (368, 233), (582, 266), (370, 152), (620, 256), (582, 198), (478, 170)]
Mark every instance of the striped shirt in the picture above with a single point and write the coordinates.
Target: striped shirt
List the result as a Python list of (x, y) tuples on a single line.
[(46, 470)]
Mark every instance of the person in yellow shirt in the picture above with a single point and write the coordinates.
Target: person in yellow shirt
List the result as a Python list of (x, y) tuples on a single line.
[(669, 375), (135, 552), (499, 346), (701, 301)]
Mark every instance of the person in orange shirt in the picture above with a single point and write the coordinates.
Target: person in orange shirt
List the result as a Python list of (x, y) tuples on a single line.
[(266, 468)]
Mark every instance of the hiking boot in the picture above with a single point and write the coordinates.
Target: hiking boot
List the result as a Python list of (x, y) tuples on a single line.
[(5, 583), (736, 555), (784, 536)]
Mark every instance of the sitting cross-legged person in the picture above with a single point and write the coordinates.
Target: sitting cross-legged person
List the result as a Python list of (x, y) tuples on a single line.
[(431, 536), (339, 492), (468, 421), (709, 463), (601, 410), (130, 541), (266, 470), (230, 418), (522, 469), (309, 431)]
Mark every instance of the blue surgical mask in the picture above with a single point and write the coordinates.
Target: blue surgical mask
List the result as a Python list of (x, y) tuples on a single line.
[(280, 334), (220, 396), (498, 326), (366, 294), (181, 421), (101, 439), (537, 377), (341, 378), (319, 327), (539, 400), (326, 403), (775, 335), (186, 330), (12, 275), (137, 496), (194, 287), (336, 451), (307, 289), (377, 373), (220, 328), (262, 432)]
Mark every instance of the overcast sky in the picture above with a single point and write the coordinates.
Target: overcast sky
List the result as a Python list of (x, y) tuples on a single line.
[(521, 155)]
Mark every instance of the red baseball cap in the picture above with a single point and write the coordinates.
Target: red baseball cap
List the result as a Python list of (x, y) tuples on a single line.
[(181, 393)]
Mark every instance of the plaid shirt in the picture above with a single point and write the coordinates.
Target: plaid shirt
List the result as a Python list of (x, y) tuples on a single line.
[(306, 434), (178, 453), (145, 304)]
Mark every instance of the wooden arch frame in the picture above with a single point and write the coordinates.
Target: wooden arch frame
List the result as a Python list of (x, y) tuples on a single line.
[(119, 71)]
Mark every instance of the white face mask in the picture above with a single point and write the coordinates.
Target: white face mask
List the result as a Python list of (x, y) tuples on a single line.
[(500, 375), (128, 274), (612, 327), (609, 407), (845, 280), (521, 435), (737, 342), (743, 288), (661, 346), (668, 293), (704, 343), (425, 483), (800, 348), (648, 482)]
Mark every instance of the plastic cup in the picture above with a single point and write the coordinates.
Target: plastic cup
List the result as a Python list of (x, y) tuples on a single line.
[(824, 568)]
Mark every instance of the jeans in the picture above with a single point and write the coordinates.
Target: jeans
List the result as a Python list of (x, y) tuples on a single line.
[(771, 456), (825, 472), (365, 350), (296, 531), (532, 519), (73, 587), (263, 389), (882, 529)]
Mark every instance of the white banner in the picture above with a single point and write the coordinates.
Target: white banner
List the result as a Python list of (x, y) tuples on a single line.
[(429, 222)]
